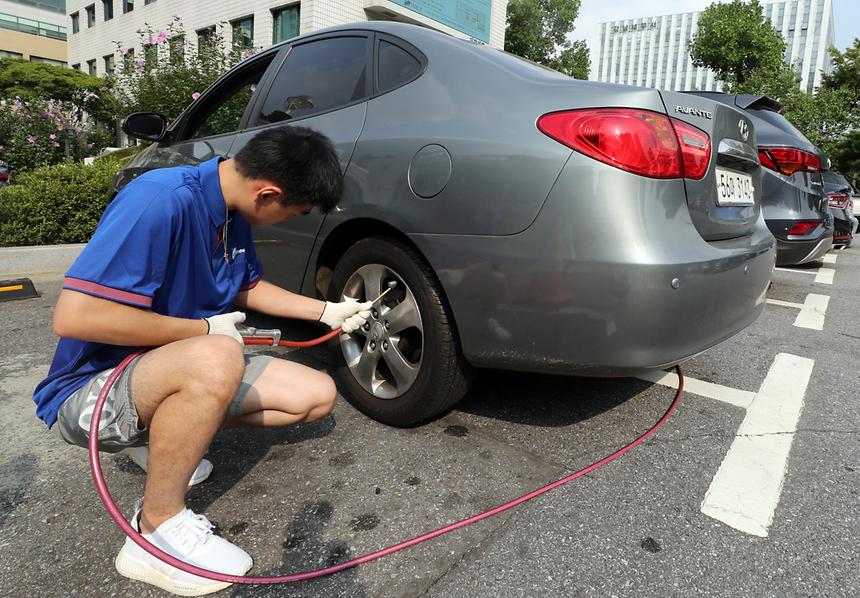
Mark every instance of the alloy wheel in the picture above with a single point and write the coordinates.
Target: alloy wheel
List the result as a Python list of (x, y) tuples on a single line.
[(385, 355)]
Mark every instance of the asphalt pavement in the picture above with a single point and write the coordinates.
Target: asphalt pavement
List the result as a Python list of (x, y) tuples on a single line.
[(316, 494)]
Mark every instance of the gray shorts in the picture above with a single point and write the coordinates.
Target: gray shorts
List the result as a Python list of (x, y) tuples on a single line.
[(120, 425)]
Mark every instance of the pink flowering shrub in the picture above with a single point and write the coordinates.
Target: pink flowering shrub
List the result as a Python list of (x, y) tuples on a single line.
[(33, 133), (172, 68)]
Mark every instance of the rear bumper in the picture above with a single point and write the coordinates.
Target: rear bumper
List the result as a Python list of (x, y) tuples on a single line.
[(792, 253), (601, 291), (845, 225)]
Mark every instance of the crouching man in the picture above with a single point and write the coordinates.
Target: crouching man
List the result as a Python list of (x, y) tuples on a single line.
[(172, 253)]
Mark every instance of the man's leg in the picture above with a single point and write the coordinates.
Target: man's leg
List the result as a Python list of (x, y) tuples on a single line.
[(285, 393), (182, 392)]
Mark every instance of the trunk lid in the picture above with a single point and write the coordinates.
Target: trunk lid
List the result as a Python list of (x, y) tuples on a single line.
[(726, 202)]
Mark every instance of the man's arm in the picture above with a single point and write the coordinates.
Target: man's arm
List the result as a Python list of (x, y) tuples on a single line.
[(90, 318), (275, 301), (271, 299)]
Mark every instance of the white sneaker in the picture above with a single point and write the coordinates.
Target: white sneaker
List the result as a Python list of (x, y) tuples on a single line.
[(188, 537), (140, 455)]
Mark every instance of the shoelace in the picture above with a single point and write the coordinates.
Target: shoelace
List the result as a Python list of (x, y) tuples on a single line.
[(195, 530)]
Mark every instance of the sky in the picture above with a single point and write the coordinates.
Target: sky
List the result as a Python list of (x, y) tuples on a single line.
[(846, 18)]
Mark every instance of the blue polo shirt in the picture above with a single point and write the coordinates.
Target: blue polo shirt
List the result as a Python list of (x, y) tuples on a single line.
[(159, 246)]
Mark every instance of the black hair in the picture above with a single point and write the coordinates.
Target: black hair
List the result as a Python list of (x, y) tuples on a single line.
[(299, 160)]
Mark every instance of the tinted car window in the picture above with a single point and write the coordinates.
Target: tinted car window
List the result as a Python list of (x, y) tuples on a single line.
[(223, 112), (396, 66), (316, 77), (834, 182), (779, 121)]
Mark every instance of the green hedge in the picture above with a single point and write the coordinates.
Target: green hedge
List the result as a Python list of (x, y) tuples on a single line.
[(55, 204), (126, 152)]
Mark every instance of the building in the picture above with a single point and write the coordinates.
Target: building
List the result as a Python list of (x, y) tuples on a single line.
[(33, 30), (653, 51), (97, 26)]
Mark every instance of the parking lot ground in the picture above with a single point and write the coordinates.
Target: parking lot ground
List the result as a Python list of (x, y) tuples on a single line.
[(315, 494)]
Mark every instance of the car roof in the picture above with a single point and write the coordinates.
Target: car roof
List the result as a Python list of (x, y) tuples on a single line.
[(428, 40)]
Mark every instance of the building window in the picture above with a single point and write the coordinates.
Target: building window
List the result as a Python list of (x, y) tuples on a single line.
[(286, 23), (127, 6), (110, 64), (77, 66), (76, 22), (91, 15), (243, 33), (46, 60), (205, 38), (177, 49), (128, 60), (8, 54), (91, 67), (148, 2), (107, 7), (150, 55)]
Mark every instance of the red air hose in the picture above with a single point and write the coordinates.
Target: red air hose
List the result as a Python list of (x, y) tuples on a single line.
[(125, 526)]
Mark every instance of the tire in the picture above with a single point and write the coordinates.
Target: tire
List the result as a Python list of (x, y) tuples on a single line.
[(412, 369)]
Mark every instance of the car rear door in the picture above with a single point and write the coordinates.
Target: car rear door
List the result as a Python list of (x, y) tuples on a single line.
[(322, 83), (726, 202)]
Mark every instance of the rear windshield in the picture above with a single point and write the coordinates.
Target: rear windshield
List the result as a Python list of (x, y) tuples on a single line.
[(834, 182), (778, 121)]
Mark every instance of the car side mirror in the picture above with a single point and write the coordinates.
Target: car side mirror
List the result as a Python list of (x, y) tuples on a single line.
[(150, 126)]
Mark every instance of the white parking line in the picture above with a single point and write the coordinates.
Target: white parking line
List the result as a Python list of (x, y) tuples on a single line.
[(830, 258), (785, 303), (825, 275), (732, 396), (822, 275), (812, 313), (746, 489), (812, 310)]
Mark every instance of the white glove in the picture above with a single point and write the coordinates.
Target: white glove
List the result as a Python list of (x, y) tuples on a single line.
[(226, 324), (348, 315)]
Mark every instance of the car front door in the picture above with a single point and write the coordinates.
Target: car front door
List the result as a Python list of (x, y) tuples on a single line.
[(323, 84), (209, 127)]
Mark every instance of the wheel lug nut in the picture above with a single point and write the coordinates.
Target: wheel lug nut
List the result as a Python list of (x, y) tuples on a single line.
[(374, 313), (387, 325), (372, 345), (366, 327), (384, 345)]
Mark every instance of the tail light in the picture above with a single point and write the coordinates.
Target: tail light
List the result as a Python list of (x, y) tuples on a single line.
[(841, 201), (638, 141), (788, 160), (4, 176), (804, 227)]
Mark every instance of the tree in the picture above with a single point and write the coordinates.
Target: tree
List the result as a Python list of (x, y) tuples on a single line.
[(38, 81), (538, 30), (846, 69), (778, 82), (845, 80), (823, 117), (846, 156), (736, 42)]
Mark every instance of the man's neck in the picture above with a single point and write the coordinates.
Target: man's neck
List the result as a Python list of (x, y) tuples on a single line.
[(230, 181)]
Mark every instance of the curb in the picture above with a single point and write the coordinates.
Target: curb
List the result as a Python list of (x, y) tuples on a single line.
[(37, 259)]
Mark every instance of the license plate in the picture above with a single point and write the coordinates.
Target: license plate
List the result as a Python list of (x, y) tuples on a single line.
[(734, 188)]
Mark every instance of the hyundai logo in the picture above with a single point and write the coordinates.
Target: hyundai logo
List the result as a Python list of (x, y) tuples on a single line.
[(744, 129)]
